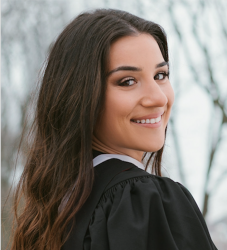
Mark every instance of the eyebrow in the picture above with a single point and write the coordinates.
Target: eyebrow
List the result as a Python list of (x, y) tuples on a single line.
[(131, 68), (125, 68), (159, 65)]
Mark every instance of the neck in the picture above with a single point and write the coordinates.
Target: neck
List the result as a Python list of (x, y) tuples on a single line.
[(99, 146)]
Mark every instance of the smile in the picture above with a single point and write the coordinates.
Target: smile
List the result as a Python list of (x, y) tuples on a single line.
[(149, 121)]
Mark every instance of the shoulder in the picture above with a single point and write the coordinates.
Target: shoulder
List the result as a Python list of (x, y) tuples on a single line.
[(135, 187), (132, 180), (130, 173), (138, 210)]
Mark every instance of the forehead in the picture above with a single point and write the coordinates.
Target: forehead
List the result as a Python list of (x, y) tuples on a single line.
[(137, 50)]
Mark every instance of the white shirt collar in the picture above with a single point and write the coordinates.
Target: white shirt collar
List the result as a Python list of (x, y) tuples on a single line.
[(104, 157)]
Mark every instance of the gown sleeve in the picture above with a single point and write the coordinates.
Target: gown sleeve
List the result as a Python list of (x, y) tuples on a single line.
[(147, 212)]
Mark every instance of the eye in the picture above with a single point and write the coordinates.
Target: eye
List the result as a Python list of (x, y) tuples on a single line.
[(127, 82), (161, 75)]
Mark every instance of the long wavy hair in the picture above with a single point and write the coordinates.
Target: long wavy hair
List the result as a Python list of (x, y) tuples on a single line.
[(70, 99)]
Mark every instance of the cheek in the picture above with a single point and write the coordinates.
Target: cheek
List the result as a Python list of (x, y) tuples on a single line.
[(114, 121), (118, 105)]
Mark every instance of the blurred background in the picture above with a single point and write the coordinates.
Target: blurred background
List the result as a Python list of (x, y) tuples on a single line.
[(196, 146)]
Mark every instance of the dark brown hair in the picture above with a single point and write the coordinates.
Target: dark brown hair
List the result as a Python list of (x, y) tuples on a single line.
[(70, 99)]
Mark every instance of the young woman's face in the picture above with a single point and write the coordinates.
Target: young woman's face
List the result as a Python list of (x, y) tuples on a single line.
[(138, 99)]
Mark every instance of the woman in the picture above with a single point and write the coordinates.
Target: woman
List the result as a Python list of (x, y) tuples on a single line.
[(105, 99)]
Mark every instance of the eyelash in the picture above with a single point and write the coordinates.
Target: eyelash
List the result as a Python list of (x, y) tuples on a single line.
[(126, 80), (164, 73)]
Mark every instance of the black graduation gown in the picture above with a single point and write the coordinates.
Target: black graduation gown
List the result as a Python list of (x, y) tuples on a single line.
[(141, 211)]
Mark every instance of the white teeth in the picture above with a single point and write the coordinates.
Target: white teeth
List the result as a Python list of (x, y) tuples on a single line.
[(152, 120), (148, 121), (158, 119)]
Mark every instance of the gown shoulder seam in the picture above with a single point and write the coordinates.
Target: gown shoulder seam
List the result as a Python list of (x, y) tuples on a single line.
[(109, 192)]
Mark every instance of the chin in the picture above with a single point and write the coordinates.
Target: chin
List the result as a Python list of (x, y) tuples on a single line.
[(154, 147)]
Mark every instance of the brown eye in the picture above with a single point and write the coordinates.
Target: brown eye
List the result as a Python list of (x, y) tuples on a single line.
[(127, 82), (161, 76)]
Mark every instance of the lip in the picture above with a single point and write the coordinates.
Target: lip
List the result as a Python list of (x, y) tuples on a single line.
[(156, 115), (148, 125)]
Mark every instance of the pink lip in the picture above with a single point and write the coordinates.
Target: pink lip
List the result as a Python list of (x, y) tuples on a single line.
[(148, 116), (148, 125)]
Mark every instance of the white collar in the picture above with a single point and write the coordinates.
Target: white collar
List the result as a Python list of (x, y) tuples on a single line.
[(104, 157)]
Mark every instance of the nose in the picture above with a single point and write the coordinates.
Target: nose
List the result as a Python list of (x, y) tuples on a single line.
[(153, 95)]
